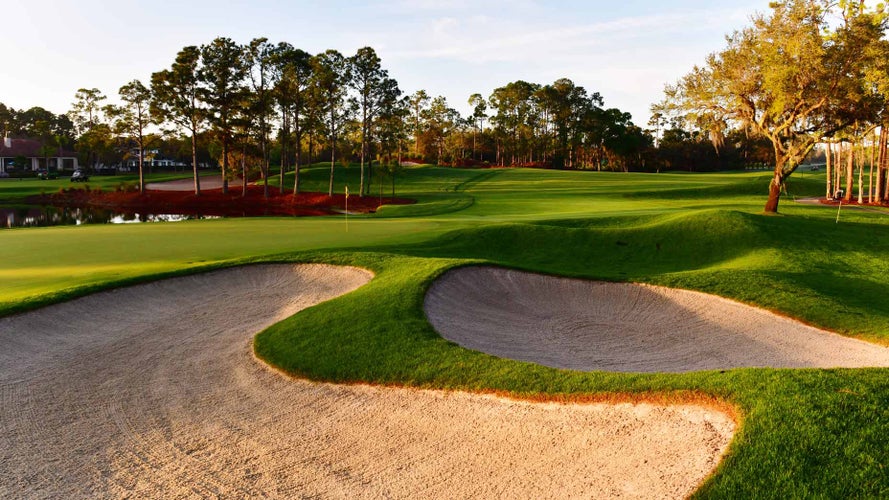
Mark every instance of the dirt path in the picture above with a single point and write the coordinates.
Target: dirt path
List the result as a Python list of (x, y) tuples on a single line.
[(589, 325), (152, 391), (207, 182)]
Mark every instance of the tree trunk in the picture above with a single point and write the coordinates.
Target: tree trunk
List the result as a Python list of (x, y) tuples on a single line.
[(224, 166), (296, 175), (194, 163), (870, 177), (473, 143), (417, 132), (285, 135), (332, 155), (330, 187), (838, 167), (850, 172), (775, 191), (296, 166), (363, 148), (244, 171), (881, 167), (828, 152), (141, 166), (264, 165), (265, 172), (298, 147), (861, 173), (881, 153), (370, 173)]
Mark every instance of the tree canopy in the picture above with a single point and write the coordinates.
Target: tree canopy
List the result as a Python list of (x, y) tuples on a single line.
[(795, 77), (806, 72)]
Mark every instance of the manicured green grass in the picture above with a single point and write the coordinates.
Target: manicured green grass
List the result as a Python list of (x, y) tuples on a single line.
[(43, 265), (805, 433)]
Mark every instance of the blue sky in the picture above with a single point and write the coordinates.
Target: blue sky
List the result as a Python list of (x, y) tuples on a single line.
[(626, 50)]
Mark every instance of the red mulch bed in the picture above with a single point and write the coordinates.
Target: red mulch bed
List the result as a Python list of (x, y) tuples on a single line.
[(854, 201), (213, 203)]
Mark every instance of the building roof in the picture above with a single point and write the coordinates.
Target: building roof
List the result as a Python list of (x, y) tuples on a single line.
[(29, 148)]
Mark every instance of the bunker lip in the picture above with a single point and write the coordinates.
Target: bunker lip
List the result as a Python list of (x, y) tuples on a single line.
[(625, 327), (153, 390)]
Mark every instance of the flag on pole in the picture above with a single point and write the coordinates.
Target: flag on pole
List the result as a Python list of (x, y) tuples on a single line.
[(347, 192)]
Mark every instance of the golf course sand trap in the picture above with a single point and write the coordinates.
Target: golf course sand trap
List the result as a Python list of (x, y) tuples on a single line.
[(625, 327), (153, 391)]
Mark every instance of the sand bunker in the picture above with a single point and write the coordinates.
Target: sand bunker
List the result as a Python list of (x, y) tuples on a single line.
[(588, 325), (152, 391)]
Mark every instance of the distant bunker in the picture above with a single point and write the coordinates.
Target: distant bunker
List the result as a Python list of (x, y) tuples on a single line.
[(626, 327)]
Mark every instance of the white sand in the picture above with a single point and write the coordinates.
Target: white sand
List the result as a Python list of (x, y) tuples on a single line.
[(152, 391), (625, 327)]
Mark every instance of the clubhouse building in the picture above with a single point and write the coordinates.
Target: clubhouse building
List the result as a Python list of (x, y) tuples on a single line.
[(30, 149)]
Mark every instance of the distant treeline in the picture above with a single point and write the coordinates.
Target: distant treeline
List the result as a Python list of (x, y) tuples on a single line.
[(248, 106)]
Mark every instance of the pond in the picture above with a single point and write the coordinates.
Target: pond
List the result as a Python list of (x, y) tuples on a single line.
[(38, 216)]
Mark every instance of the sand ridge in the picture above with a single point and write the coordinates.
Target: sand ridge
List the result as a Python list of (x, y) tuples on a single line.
[(626, 327), (153, 391)]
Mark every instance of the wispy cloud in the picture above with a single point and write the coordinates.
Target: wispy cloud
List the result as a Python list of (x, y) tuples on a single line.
[(626, 49), (460, 6), (481, 39), (627, 58)]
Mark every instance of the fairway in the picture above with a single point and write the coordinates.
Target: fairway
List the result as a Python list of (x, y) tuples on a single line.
[(802, 432)]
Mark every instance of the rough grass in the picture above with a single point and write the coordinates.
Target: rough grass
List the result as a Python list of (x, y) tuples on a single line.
[(805, 433)]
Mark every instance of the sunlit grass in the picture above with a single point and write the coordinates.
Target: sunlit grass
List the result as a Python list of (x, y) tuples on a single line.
[(805, 433)]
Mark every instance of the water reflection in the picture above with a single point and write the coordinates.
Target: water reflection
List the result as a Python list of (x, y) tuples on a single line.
[(38, 216)]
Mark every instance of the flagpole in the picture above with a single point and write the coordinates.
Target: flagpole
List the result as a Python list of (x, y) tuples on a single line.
[(347, 208)]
